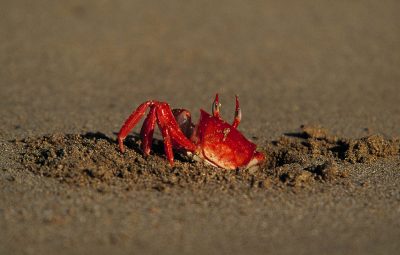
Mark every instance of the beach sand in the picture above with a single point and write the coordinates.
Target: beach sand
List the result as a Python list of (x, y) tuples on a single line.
[(72, 72)]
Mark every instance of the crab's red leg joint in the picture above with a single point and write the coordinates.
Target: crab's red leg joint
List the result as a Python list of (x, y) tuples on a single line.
[(171, 131), (146, 133), (238, 114), (131, 122), (167, 120), (216, 106)]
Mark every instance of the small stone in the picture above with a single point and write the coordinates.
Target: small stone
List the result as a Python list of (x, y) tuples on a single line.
[(10, 178), (304, 176), (265, 184), (253, 170)]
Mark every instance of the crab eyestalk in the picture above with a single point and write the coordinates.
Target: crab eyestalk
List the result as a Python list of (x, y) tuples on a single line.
[(216, 106), (238, 114)]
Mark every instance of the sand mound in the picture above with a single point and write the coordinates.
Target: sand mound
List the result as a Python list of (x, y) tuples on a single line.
[(297, 160)]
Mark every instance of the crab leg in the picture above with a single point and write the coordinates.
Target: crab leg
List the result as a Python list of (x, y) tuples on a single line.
[(216, 106), (167, 124), (166, 120), (146, 133), (131, 122), (167, 143), (238, 114), (181, 140)]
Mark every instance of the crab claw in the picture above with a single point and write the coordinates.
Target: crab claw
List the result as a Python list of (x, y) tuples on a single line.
[(223, 145)]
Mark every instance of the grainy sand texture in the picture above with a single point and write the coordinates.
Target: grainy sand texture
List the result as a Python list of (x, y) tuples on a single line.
[(319, 88)]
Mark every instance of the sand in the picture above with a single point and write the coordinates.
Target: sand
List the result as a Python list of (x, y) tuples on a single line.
[(319, 89)]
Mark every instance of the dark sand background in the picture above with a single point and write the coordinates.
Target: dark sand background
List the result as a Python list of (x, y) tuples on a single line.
[(77, 67)]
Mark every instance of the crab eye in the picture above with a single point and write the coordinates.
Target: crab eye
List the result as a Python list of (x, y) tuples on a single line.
[(215, 108), (238, 114)]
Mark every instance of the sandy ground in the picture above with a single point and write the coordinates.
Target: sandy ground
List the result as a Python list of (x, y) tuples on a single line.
[(79, 68)]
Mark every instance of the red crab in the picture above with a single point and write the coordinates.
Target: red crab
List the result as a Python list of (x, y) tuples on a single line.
[(211, 140)]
